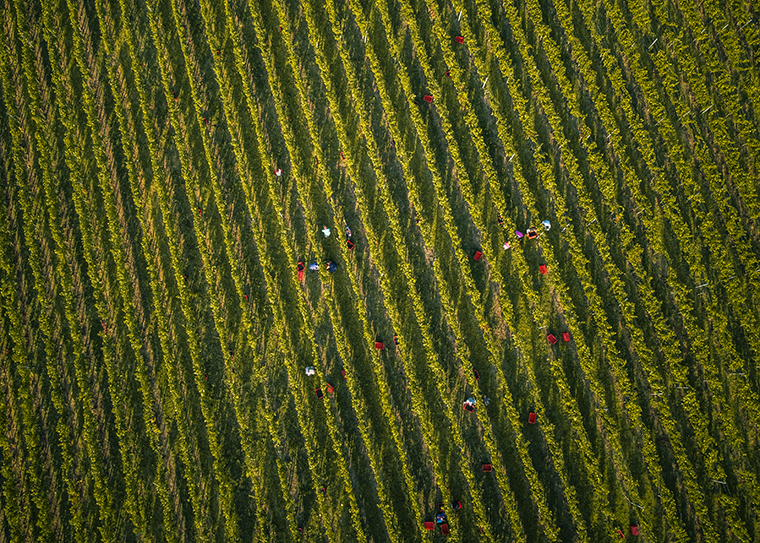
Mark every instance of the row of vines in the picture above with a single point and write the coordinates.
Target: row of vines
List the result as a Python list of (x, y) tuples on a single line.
[(255, 256)]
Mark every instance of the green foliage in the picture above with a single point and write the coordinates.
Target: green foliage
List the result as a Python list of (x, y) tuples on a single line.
[(154, 331)]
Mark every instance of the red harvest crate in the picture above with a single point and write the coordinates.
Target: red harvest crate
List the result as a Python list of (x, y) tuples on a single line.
[(379, 346), (532, 418), (478, 255), (542, 268), (459, 39), (428, 98), (551, 339), (565, 336)]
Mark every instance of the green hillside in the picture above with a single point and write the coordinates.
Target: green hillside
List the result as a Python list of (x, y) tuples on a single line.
[(379, 271)]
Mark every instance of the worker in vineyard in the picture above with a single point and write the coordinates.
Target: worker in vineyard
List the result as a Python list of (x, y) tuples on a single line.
[(331, 266), (440, 518), (348, 230), (310, 370), (314, 266), (326, 231)]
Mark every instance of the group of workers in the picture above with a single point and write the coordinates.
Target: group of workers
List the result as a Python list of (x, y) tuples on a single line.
[(330, 265), (440, 518), (531, 233)]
